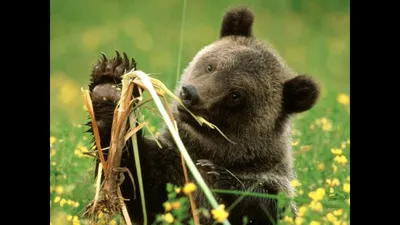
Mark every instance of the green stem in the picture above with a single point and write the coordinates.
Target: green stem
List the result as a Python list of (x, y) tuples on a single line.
[(146, 81), (138, 167)]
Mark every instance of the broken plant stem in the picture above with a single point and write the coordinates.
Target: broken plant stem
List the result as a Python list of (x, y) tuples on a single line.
[(146, 81)]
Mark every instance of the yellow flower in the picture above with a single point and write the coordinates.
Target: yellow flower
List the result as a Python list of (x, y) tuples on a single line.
[(295, 143), (113, 222), (70, 202), (59, 190), (348, 141), (327, 126), (321, 166), (53, 163), (219, 214), (331, 192), (346, 187), (332, 183), (52, 152), (76, 205), (62, 202), (52, 140), (295, 183), (336, 151), (169, 218), (100, 215), (167, 206), (330, 217), (288, 219), (176, 205), (69, 218), (316, 206), (302, 210), (338, 212), (317, 195), (315, 223), (341, 159), (343, 99), (298, 221), (189, 187), (57, 199), (178, 190), (334, 168)]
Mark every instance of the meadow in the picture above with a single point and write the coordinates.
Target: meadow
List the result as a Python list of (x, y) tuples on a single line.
[(312, 36)]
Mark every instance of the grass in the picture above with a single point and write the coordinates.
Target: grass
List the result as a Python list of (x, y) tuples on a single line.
[(313, 37)]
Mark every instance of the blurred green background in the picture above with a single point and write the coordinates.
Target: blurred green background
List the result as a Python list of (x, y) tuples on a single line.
[(312, 35)]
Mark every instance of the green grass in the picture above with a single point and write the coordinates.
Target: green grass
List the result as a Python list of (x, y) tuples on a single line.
[(312, 36)]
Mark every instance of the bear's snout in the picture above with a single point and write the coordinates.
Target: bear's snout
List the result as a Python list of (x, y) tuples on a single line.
[(189, 96)]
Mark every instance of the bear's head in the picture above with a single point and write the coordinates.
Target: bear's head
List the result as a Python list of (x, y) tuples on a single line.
[(243, 87)]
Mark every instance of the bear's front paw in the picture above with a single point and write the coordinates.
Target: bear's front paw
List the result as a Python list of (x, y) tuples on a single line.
[(106, 77)]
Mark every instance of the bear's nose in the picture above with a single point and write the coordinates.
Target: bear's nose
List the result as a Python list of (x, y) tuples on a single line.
[(189, 95)]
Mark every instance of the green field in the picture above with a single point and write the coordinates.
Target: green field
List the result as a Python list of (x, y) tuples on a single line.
[(312, 36)]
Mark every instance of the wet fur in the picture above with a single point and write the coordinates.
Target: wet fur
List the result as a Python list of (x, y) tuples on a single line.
[(261, 159)]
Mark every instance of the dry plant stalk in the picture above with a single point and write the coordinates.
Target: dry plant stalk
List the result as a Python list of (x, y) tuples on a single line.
[(108, 198)]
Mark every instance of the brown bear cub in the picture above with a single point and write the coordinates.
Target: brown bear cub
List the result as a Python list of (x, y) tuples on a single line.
[(243, 87)]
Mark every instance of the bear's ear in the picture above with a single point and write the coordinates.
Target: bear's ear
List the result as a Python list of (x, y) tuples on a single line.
[(237, 21), (300, 94)]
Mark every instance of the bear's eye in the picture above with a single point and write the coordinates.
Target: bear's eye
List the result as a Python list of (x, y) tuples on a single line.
[(235, 99), (209, 68), (235, 96)]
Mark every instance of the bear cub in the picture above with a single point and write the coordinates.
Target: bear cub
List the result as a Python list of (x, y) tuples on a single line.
[(241, 85)]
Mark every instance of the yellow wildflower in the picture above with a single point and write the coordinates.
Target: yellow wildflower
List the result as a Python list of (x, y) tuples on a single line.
[(338, 212), (299, 221), (69, 218), (295, 183), (189, 187), (331, 192), (76, 205), (343, 99), (178, 190), (53, 163), (330, 217), (169, 218), (100, 215), (336, 151), (341, 159), (321, 166), (295, 143), (52, 140), (332, 183), (113, 222), (315, 223), (346, 187), (334, 168), (288, 219), (59, 190), (62, 202), (52, 152), (317, 195), (219, 214), (176, 205), (316, 206), (57, 199), (167, 206), (302, 210)]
